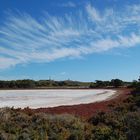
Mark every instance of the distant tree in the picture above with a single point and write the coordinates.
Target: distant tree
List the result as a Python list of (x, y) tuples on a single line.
[(139, 79), (92, 85), (25, 83), (12, 84), (133, 84), (116, 83), (100, 83)]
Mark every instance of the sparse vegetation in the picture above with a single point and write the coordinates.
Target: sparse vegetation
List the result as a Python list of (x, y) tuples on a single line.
[(40, 126)]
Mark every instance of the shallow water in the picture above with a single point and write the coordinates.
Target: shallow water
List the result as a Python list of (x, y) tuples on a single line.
[(51, 98)]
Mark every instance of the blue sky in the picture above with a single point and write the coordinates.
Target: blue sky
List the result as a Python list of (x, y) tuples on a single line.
[(69, 39)]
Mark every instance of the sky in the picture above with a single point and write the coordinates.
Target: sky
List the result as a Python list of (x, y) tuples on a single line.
[(81, 40)]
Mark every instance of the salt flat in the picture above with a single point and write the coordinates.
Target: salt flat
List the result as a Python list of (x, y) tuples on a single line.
[(51, 98)]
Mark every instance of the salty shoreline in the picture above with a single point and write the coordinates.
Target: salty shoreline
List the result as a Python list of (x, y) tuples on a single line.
[(86, 110), (49, 98)]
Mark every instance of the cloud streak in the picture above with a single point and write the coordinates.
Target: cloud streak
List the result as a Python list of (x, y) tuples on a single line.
[(24, 39)]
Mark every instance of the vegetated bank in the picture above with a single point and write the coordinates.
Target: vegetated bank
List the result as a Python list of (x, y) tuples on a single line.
[(122, 122), (47, 84)]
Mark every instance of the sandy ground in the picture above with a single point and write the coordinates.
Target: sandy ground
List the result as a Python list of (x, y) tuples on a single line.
[(52, 98)]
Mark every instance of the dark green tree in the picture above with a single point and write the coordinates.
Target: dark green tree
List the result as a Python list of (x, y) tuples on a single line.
[(116, 83)]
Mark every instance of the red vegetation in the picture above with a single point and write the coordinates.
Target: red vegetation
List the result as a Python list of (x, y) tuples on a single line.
[(85, 110)]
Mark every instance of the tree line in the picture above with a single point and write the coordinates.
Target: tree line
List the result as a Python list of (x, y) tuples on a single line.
[(113, 83), (27, 83)]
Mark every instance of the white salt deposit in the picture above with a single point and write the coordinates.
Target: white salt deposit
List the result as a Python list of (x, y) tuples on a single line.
[(51, 98)]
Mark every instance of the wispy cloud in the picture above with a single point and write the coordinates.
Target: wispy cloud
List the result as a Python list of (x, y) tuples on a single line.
[(24, 39), (6, 62)]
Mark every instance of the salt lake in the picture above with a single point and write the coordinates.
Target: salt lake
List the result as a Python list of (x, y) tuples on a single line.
[(52, 97)]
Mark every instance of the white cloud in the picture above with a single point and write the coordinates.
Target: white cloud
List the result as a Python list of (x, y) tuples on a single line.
[(7, 62), (24, 39), (93, 13)]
